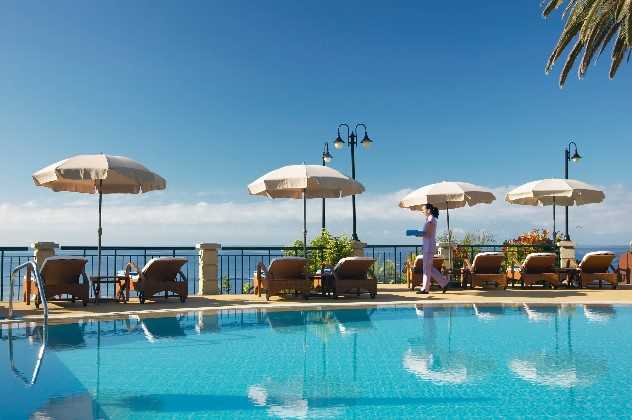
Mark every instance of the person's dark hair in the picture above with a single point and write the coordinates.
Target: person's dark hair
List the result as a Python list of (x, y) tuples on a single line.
[(433, 210)]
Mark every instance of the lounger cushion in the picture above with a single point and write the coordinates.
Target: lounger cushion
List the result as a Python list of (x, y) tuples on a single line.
[(596, 261), (61, 269), (539, 262), (353, 267), (419, 261), (62, 258), (287, 267), (487, 262), (167, 267)]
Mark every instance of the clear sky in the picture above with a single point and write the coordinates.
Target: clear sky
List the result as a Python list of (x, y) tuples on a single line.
[(212, 94)]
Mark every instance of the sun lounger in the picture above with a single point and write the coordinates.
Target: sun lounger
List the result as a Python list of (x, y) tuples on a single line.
[(61, 276), (594, 267), (485, 269), (283, 274), (415, 270), (351, 274), (539, 267), (158, 275)]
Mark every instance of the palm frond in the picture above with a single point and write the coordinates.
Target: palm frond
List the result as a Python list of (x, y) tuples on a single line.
[(570, 60), (591, 25), (552, 5)]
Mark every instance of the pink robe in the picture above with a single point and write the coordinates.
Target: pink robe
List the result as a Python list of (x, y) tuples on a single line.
[(429, 250)]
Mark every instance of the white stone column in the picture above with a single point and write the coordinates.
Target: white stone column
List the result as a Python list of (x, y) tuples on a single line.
[(358, 248), (43, 250), (208, 258), (568, 254)]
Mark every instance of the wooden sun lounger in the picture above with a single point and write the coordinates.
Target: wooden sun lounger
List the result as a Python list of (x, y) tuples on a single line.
[(540, 267), (485, 269), (61, 275), (415, 270), (594, 267), (158, 275), (351, 275), (283, 274)]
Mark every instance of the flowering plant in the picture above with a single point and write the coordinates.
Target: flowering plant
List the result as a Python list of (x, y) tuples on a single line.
[(536, 240)]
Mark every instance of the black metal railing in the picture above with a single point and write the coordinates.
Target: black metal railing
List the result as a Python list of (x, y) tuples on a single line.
[(114, 259), (238, 264), (11, 257), (390, 261)]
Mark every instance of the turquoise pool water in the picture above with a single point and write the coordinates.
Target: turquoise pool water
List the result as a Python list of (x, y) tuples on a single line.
[(465, 361)]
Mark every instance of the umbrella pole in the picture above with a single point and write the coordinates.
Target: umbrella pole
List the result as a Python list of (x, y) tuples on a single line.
[(306, 292), (99, 233), (554, 220), (447, 212)]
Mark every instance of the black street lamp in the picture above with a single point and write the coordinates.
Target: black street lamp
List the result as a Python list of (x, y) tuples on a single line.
[(575, 157), (352, 141), (326, 159)]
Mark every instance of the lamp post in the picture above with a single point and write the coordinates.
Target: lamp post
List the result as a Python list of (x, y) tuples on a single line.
[(352, 141), (575, 157), (326, 159)]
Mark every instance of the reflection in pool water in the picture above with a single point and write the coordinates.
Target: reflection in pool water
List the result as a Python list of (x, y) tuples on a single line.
[(391, 362), (437, 361)]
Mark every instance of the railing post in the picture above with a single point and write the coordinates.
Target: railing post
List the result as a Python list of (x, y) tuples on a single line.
[(43, 250), (208, 256)]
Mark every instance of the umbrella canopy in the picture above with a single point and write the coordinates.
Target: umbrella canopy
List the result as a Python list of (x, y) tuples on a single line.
[(309, 181), (102, 174), (555, 191), (562, 192), (447, 195), (99, 173)]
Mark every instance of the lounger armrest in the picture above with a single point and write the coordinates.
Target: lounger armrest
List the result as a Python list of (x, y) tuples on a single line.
[(86, 279), (131, 266), (261, 268), (182, 276)]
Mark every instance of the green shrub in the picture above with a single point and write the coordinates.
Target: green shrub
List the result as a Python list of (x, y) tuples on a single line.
[(328, 250)]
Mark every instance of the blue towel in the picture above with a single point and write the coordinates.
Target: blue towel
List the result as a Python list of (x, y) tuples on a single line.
[(414, 232)]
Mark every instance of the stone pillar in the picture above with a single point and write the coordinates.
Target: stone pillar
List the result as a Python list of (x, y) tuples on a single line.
[(208, 255), (567, 254), (444, 250), (358, 248), (43, 250)]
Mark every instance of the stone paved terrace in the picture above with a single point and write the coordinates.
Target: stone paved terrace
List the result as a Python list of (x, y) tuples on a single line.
[(387, 295)]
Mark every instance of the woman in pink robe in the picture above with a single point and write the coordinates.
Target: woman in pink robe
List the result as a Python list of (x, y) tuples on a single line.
[(429, 234)]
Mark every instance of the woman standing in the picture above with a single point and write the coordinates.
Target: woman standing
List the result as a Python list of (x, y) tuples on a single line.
[(429, 248)]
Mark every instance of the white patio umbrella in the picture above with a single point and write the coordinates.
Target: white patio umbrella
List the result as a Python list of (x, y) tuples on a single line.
[(555, 191), (102, 174), (305, 181), (447, 195)]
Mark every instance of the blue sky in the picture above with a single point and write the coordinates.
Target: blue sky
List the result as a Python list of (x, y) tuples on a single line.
[(212, 94)]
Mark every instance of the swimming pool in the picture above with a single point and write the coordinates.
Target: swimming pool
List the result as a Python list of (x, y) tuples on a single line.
[(387, 362)]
